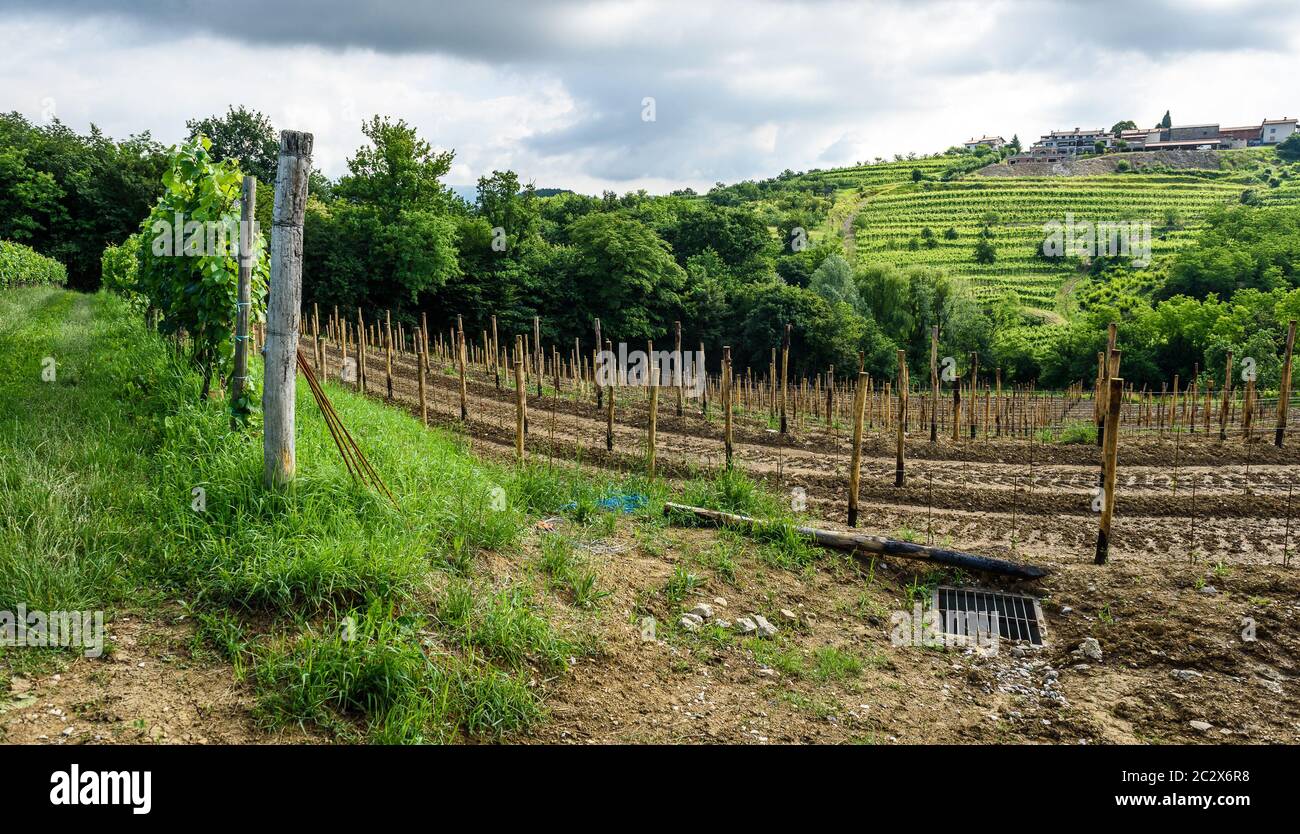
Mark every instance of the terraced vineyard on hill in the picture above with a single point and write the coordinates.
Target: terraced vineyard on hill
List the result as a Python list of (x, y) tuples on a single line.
[(881, 211), (889, 228)]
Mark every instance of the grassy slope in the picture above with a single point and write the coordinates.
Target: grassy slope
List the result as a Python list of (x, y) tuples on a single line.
[(371, 621), (887, 210), (97, 472)]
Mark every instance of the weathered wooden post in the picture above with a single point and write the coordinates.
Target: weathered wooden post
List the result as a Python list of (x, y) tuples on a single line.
[(388, 352), (460, 363), (902, 416), (247, 258), (1284, 386), (609, 399), (537, 352), (654, 408), (283, 308), (998, 406), (855, 457), (1115, 389), (362, 382), (726, 402), (419, 374), (520, 394), (496, 354), (785, 367), (599, 344), (934, 384), (974, 411), (677, 368), (702, 371)]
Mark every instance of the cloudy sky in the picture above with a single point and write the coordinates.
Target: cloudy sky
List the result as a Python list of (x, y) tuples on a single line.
[(561, 91)]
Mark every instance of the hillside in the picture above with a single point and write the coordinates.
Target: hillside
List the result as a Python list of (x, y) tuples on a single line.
[(881, 211)]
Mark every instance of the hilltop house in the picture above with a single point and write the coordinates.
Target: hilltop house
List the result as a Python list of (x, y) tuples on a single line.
[(994, 142), (1061, 144)]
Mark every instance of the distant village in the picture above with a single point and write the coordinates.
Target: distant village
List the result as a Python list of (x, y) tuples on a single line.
[(1060, 145)]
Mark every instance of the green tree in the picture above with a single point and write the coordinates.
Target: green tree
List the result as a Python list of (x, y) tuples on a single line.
[(1290, 148), (833, 281), (243, 135), (398, 171), (626, 275)]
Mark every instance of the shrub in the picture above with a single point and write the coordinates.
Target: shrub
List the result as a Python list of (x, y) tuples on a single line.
[(21, 265), (121, 271)]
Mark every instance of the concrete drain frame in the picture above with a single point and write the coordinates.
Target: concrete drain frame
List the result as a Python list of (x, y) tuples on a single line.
[(965, 615)]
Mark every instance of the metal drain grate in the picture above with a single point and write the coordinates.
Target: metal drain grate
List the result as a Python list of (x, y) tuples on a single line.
[(966, 612)]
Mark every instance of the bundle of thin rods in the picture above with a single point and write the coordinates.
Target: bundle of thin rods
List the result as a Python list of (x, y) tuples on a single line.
[(353, 458)]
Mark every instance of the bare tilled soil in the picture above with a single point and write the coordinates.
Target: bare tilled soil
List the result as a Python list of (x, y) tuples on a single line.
[(154, 684), (1195, 615)]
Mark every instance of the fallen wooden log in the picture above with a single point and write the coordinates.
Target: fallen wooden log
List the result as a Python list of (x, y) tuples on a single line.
[(857, 543)]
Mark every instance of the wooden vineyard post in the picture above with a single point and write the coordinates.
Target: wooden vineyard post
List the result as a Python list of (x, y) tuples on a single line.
[(419, 375), (654, 410), (855, 458), (1099, 399), (609, 400), (362, 382), (956, 408), (460, 365), (934, 384), (974, 371), (677, 368), (388, 352), (537, 352), (496, 354), (520, 403), (1248, 409), (283, 308), (1114, 397), (317, 349), (599, 393), (902, 417), (785, 366), (726, 402), (702, 372), (830, 398), (1173, 408), (1191, 398), (237, 381), (1284, 386), (997, 406), (343, 350)]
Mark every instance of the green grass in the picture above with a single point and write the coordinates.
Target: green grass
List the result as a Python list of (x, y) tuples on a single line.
[(368, 620), (97, 476)]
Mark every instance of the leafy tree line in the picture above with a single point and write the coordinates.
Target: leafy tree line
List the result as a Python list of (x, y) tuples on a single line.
[(390, 235), (68, 196), (1234, 289)]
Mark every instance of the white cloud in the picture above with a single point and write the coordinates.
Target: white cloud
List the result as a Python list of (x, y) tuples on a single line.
[(742, 89)]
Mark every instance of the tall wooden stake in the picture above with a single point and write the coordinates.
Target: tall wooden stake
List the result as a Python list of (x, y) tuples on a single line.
[(520, 394), (239, 379), (934, 384), (855, 457), (460, 363), (1284, 388), (284, 304), (654, 409), (1114, 395), (785, 365), (902, 416), (727, 397), (609, 401)]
